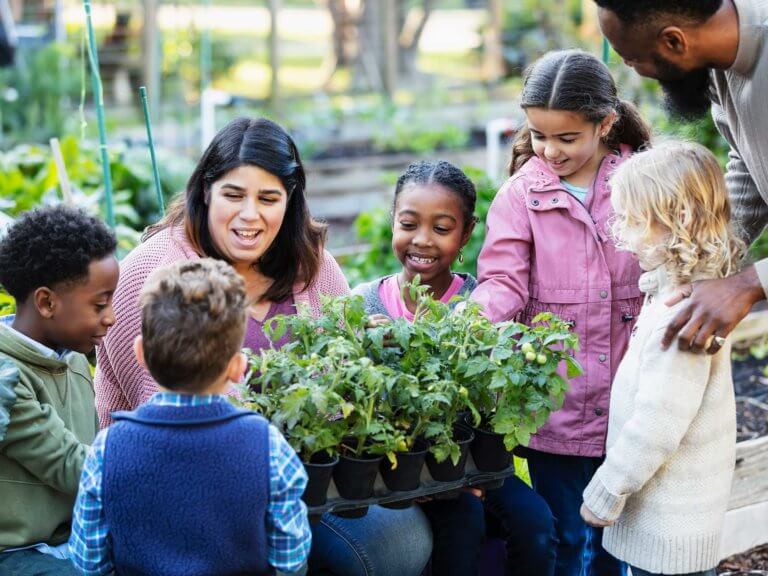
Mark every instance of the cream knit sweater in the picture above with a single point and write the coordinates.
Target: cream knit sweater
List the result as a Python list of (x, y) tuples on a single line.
[(671, 444)]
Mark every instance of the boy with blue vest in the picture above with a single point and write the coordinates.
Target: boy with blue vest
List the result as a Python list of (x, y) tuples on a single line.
[(59, 266), (187, 483)]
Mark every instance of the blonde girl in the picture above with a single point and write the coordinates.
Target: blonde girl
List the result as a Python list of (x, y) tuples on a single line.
[(662, 492)]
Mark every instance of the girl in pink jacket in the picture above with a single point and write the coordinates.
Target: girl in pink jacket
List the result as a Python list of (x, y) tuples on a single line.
[(548, 248)]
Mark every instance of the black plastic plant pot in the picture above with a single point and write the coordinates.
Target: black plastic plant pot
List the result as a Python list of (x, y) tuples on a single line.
[(319, 470), (488, 451), (447, 471), (354, 476), (409, 464)]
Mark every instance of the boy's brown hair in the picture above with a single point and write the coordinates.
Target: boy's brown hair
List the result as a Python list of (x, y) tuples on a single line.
[(193, 319)]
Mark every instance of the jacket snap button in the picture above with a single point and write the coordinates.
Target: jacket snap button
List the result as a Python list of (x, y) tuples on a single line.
[(535, 202), (599, 412), (603, 294), (602, 357)]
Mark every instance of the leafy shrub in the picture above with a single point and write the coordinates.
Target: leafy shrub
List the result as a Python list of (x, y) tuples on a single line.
[(387, 386), (36, 94), (29, 178)]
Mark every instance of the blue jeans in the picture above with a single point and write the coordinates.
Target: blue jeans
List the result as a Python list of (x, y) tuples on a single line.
[(382, 543), (34, 563), (639, 572), (458, 531), (523, 520), (561, 481)]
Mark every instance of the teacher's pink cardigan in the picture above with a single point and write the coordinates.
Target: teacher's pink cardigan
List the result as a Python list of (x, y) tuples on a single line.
[(121, 384)]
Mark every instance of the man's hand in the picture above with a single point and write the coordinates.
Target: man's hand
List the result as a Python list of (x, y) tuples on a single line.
[(591, 520), (713, 310)]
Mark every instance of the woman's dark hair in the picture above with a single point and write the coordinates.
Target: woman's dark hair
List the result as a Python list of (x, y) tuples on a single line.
[(575, 81), (296, 253), (446, 175)]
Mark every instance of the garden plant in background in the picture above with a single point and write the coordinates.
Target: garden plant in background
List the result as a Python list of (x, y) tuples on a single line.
[(29, 178)]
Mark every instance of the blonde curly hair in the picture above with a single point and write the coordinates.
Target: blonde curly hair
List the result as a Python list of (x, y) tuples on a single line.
[(671, 207)]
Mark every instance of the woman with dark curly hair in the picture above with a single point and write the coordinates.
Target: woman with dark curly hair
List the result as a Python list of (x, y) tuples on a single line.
[(245, 203)]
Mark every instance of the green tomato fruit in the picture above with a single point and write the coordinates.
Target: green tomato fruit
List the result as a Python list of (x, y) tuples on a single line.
[(541, 358), (530, 356), (527, 347)]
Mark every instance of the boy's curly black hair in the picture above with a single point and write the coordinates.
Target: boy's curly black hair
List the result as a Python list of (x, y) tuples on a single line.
[(49, 246), (633, 11)]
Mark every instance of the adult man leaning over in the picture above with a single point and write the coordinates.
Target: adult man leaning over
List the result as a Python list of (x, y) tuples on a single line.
[(709, 54)]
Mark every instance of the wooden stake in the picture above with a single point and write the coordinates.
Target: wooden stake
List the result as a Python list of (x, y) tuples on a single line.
[(61, 169)]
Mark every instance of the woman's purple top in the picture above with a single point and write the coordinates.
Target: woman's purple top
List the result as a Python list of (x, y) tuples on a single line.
[(256, 339)]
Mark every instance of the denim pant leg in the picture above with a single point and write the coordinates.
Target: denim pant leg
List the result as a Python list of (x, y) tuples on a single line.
[(34, 563), (382, 543), (523, 519), (639, 572), (458, 531), (561, 480)]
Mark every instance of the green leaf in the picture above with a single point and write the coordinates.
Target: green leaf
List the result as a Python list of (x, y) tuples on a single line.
[(573, 368), (401, 332), (275, 327)]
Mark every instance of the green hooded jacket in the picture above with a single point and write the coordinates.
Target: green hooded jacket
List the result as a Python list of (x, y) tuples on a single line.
[(47, 421)]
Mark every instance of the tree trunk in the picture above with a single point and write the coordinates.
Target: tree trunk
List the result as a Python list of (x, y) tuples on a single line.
[(274, 53), (410, 35), (368, 70), (494, 43)]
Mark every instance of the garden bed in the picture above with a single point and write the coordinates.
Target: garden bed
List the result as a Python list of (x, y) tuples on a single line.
[(746, 524), (751, 386), (345, 187)]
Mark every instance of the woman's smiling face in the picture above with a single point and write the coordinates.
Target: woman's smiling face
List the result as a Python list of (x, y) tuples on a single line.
[(246, 208)]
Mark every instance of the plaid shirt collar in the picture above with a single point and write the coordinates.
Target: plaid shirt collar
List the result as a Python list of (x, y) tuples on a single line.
[(176, 399)]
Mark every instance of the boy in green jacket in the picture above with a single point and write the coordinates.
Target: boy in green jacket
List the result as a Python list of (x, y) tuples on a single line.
[(59, 266)]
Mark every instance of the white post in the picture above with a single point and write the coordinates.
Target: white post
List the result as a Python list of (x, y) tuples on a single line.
[(152, 49), (60, 31), (208, 102), (494, 153)]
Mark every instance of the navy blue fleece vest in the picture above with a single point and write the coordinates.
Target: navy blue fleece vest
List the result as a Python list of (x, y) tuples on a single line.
[(185, 490)]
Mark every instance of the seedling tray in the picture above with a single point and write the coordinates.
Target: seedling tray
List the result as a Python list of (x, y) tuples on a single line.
[(429, 487)]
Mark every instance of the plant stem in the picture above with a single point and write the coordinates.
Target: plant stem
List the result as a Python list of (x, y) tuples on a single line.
[(151, 144), (98, 97)]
